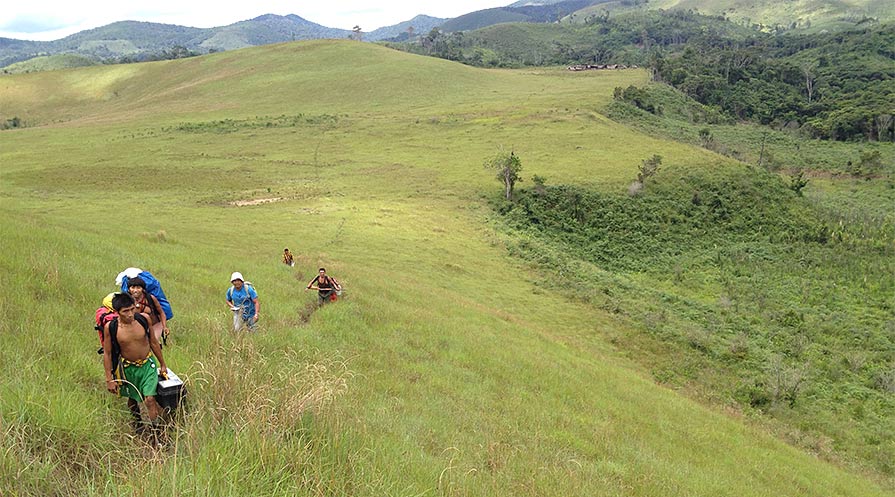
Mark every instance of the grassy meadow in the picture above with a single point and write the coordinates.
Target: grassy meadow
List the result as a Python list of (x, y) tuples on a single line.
[(449, 368)]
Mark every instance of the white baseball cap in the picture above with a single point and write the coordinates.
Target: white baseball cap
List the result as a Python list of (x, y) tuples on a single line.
[(236, 276)]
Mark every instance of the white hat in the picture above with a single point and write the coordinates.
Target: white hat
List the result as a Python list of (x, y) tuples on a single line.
[(236, 276)]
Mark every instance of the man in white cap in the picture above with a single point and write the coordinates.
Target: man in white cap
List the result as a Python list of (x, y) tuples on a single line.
[(242, 299)]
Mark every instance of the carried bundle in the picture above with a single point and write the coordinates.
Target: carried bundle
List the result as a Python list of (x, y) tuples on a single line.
[(153, 286)]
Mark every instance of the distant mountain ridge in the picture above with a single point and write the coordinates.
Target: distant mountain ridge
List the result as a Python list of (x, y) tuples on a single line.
[(135, 40), (538, 11), (132, 41), (421, 24)]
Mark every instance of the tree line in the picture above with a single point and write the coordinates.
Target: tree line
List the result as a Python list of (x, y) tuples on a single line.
[(837, 85)]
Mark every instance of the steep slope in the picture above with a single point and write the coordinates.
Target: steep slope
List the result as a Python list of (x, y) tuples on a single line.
[(769, 13), (535, 13), (446, 369)]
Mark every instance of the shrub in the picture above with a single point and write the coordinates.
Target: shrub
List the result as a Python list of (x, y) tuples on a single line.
[(648, 168), (797, 182), (14, 122)]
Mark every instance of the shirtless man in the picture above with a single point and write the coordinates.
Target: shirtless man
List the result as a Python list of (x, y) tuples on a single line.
[(325, 285), (134, 375), (147, 304)]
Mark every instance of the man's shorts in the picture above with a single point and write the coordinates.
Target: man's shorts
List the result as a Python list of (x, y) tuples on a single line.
[(324, 296), (144, 377)]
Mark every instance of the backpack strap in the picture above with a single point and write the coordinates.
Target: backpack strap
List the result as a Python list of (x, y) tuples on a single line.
[(143, 322), (246, 285), (116, 349)]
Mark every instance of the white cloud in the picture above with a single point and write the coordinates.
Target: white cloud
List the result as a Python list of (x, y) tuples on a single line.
[(60, 18)]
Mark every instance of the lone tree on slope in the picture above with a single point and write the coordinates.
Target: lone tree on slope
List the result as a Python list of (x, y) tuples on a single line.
[(508, 166)]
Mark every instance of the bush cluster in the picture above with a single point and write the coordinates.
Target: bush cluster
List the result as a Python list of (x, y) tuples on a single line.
[(775, 303)]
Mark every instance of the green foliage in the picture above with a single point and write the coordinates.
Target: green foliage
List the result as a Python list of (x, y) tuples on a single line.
[(706, 138), (778, 17), (798, 182), (783, 147), (832, 85), (420, 381), (507, 167), (648, 168), (540, 184), (626, 39), (50, 63), (638, 97), (744, 288), (871, 162), (234, 125), (11, 123)]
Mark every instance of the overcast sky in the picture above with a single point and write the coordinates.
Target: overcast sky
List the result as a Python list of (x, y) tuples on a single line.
[(53, 19)]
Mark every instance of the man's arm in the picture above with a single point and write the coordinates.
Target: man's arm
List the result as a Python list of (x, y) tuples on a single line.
[(257, 308), (111, 384), (161, 312), (310, 283), (157, 351)]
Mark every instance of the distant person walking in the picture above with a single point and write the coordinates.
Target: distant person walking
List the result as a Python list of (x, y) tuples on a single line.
[(325, 285), (287, 257), (242, 299), (128, 349)]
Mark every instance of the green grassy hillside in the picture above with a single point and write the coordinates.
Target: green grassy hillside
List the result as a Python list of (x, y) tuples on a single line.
[(447, 369), (49, 63), (769, 13)]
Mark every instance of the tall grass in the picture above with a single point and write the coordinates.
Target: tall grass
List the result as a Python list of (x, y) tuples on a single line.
[(448, 369)]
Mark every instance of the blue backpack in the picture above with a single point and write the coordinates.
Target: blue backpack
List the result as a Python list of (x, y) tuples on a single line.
[(155, 288)]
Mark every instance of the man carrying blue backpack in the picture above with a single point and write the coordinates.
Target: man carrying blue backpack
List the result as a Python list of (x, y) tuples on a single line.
[(242, 299)]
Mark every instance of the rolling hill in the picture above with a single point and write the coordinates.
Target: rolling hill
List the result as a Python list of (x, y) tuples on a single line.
[(49, 63), (448, 368), (801, 14), (131, 41), (770, 12), (140, 41)]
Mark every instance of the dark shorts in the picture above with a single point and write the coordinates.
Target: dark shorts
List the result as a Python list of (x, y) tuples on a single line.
[(324, 296)]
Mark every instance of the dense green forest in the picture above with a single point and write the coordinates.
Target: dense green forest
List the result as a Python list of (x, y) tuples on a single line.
[(661, 110), (836, 86)]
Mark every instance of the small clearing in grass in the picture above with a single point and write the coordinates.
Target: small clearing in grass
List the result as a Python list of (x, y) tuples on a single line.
[(257, 201)]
